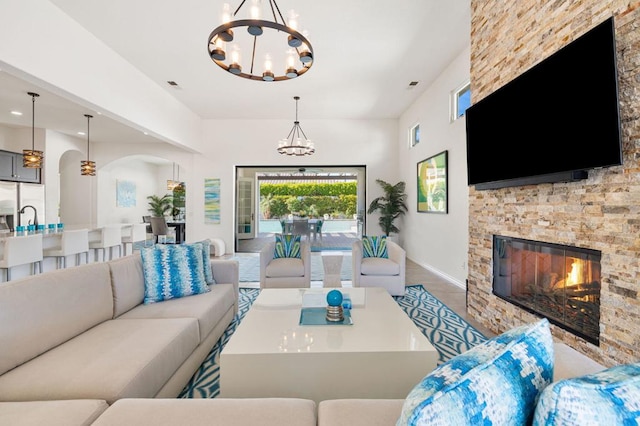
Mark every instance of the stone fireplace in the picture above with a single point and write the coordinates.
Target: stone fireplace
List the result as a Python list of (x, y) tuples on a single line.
[(558, 282), (601, 212)]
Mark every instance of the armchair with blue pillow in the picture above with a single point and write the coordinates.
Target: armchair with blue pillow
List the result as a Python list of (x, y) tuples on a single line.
[(379, 262), (285, 263)]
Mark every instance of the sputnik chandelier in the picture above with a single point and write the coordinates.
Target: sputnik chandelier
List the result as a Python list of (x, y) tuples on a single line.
[(293, 144), (278, 42)]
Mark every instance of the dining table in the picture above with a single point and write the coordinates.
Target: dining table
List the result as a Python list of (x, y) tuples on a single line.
[(313, 229)]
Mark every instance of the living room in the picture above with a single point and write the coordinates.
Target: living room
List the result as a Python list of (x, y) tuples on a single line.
[(506, 39), (381, 144)]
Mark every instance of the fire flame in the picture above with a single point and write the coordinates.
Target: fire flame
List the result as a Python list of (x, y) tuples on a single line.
[(574, 277)]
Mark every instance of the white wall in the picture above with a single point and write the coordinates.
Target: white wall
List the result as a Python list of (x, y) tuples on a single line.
[(231, 143), (437, 241)]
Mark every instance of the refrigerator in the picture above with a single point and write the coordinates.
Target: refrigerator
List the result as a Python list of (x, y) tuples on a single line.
[(15, 196)]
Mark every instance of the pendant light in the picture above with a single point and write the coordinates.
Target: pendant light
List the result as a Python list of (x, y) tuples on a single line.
[(31, 158), (172, 183), (88, 167)]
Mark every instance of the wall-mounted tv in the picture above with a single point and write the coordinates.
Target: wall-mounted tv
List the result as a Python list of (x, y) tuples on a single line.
[(552, 123)]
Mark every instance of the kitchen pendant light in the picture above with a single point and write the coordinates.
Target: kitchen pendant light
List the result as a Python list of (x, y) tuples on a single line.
[(31, 158), (88, 167)]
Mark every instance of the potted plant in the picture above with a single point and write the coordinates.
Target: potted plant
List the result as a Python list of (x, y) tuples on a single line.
[(160, 206), (391, 205)]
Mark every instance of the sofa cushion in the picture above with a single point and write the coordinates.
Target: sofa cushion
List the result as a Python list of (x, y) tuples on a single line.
[(354, 412), (379, 266), (172, 271), (609, 397), (285, 267), (38, 313), (496, 382), (208, 308), (287, 245), (75, 412), (375, 246), (211, 412), (115, 359), (127, 283)]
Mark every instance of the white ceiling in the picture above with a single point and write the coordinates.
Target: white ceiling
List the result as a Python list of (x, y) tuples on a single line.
[(366, 52)]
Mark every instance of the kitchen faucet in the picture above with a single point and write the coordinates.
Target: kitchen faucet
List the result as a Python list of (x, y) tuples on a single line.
[(35, 215)]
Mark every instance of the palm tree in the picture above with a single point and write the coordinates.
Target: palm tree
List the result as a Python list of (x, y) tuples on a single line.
[(391, 205)]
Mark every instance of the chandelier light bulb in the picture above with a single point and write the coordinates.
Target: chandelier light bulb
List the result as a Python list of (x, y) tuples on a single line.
[(293, 20), (225, 16)]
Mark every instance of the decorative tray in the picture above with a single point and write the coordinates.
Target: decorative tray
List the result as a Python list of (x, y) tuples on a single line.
[(318, 316)]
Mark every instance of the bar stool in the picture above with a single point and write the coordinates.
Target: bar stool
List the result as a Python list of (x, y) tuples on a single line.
[(72, 242), (110, 237), (132, 234), (22, 250)]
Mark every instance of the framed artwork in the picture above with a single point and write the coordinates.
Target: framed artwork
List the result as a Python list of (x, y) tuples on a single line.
[(432, 184), (125, 193), (211, 200)]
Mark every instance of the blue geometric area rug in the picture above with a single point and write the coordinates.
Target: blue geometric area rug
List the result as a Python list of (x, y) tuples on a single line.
[(446, 330)]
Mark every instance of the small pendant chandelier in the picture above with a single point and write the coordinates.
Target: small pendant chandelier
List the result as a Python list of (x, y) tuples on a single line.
[(293, 144), (31, 158), (88, 167)]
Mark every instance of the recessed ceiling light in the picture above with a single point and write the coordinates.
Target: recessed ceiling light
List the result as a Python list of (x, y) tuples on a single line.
[(16, 113), (81, 133), (145, 133), (172, 83)]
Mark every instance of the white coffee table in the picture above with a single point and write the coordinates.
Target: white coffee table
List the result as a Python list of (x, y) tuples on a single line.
[(382, 355)]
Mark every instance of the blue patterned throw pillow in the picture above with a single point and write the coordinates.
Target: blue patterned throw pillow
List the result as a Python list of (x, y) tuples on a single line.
[(609, 397), (172, 271), (287, 245), (495, 383), (375, 246), (206, 257)]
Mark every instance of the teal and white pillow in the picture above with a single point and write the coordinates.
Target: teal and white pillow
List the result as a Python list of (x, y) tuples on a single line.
[(496, 382), (206, 257), (287, 245), (172, 271), (609, 397), (375, 246)]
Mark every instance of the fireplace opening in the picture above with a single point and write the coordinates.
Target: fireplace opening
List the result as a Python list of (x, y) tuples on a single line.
[(560, 283)]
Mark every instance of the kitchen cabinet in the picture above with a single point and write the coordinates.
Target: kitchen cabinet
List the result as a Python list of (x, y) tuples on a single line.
[(11, 169)]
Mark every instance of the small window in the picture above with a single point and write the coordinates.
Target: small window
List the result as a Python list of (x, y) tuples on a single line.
[(460, 101), (414, 135)]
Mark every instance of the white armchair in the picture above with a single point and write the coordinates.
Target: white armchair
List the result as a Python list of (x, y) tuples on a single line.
[(378, 272), (285, 272)]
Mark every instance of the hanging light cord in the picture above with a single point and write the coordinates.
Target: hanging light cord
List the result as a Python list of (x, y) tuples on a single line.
[(88, 118), (33, 120)]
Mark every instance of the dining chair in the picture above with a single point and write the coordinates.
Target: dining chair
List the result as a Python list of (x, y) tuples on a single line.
[(21, 251), (159, 227), (132, 234), (301, 227), (72, 242), (108, 238)]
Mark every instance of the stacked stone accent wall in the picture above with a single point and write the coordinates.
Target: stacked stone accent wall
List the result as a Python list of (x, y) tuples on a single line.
[(602, 212)]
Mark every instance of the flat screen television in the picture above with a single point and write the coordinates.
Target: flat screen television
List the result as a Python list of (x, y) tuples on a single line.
[(552, 123)]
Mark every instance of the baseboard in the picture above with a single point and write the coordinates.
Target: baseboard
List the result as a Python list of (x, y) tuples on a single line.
[(447, 277)]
